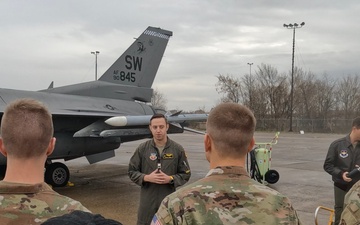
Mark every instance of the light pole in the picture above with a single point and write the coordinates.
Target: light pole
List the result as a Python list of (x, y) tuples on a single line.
[(250, 88), (95, 53), (292, 26)]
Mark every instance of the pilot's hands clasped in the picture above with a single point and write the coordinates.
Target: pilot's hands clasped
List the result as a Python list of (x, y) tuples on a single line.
[(157, 177)]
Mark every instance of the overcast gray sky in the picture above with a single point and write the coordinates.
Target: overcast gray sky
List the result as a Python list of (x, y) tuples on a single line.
[(43, 41)]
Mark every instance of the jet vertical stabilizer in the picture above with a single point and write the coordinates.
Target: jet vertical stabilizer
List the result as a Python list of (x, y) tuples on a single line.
[(131, 76), (138, 65)]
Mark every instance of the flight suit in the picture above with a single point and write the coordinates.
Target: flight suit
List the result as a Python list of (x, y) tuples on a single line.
[(173, 162)]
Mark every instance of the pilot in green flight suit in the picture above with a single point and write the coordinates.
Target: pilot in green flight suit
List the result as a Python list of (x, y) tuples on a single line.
[(158, 166)]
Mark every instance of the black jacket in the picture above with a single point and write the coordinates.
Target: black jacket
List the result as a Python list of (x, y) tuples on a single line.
[(342, 157)]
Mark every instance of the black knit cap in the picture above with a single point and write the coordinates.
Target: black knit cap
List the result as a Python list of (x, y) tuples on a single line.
[(80, 218)]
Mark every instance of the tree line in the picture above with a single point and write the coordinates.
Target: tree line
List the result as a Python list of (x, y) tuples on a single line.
[(320, 104)]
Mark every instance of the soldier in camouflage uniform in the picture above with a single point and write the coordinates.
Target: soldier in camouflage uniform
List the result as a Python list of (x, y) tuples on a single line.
[(351, 213), (26, 140), (227, 195)]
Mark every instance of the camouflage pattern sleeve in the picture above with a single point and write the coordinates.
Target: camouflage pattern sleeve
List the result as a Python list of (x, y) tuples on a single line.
[(351, 212), (165, 215), (35, 208)]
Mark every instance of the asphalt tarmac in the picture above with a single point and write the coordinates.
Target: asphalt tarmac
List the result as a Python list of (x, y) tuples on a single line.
[(106, 189)]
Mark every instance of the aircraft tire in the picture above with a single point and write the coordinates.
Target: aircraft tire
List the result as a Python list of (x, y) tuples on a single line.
[(57, 174)]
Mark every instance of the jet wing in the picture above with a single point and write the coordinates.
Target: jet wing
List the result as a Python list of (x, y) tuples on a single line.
[(132, 126)]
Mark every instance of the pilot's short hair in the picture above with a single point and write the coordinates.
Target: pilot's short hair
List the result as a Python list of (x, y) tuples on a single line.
[(157, 116), (26, 128)]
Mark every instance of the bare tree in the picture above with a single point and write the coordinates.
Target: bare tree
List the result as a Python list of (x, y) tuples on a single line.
[(259, 101), (305, 94), (158, 100), (325, 99), (348, 95), (320, 103), (248, 93), (230, 87), (275, 90)]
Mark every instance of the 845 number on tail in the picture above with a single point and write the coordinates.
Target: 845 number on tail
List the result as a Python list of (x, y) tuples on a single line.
[(123, 76)]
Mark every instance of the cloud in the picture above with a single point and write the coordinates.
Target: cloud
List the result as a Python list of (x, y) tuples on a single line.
[(44, 41)]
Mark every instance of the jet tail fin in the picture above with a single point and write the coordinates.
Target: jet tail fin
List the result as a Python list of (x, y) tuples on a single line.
[(51, 85), (132, 74), (138, 65)]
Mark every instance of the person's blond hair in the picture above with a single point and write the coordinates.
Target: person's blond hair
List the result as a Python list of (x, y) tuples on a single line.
[(26, 128), (231, 126)]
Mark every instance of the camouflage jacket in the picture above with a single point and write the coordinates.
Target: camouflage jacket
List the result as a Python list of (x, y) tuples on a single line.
[(22, 204), (351, 212), (226, 195)]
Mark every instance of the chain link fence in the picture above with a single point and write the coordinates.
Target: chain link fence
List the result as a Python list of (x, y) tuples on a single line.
[(338, 126), (307, 125)]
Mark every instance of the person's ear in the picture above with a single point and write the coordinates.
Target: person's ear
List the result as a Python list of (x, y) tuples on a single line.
[(207, 143), (2, 147), (251, 145), (51, 146)]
